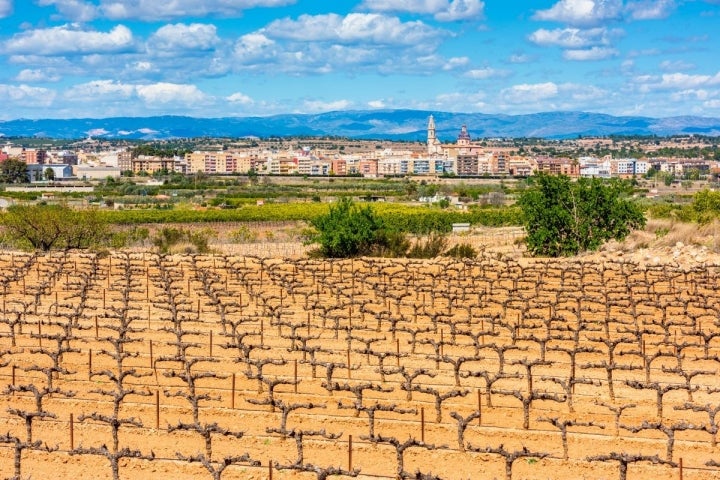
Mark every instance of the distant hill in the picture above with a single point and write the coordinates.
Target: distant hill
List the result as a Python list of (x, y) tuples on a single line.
[(372, 124)]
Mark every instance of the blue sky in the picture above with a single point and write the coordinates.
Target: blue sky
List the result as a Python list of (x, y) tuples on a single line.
[(102, 58)]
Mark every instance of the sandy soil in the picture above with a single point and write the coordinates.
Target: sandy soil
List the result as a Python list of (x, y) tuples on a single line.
[(149, 344)]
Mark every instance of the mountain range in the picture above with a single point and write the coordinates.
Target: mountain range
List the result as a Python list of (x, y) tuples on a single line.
[(407, 125)]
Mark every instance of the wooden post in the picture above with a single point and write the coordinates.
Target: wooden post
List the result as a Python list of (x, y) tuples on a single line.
[(211, 343), (397, 350), (96, 327), (72, 432), (157, 409), (232, 393), (479, 395), (89, 364), (296, 377), (262, 335), (13, 376), (40, 332), (350, 453), (681, 468), (152, 363), (422, 424), (149, 318), (103, 298), (269, 464), (348, 364)]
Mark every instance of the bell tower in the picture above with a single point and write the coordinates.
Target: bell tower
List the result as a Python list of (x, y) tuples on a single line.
[(433, 143)]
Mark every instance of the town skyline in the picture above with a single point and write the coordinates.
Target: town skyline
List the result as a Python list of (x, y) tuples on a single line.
[(104, 58)]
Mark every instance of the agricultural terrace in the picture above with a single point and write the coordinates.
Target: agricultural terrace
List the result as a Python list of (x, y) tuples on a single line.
[(237, 367)]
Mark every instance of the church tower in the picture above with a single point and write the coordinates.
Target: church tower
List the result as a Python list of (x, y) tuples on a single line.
[(432, 141)]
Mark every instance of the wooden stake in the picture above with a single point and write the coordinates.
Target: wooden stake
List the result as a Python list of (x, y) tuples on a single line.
[(103, 298), (348, 364), (262, 335), (269, 461), (72, 432), (350, 453), (157, 409), (152, 363), (232, 393), (422, 424), (397, 350), (479, 395), (13, 376), (89, 364), (96, 327), (296, 376), (681, 468), (211, 343)]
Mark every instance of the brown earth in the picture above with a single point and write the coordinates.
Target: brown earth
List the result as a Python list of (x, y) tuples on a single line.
[(186, 329)]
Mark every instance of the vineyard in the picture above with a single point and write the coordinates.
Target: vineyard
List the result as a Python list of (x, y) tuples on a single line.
[(234, 367)]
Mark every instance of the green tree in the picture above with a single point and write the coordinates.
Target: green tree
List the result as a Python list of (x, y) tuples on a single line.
[(563, 217), (348, 230), (49, 174), (48, 227), (13, 170)]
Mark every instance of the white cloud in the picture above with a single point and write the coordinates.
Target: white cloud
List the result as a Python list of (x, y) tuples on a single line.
[(196, 36), (69, 39), (589, 54), (485, 73), (36, 76), (572, 37), (240, 98), (455, 62), (315, 106), (376, 104), (6, 7), (676, 65), (253, 47), (75, 10), (354, 27), (166, 93), (154, 94), (26, 96), (650, 9), (442, 10), (100, 90), (582, 12), (712, 104), (519, 58), (152, 10), (529, 93)]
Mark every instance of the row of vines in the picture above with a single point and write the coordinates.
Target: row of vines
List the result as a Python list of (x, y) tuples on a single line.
[(246, 367)]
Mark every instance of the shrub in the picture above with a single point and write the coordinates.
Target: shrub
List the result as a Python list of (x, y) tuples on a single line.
[(563, 217), (431, 247), (52, 227), (462, 250), (348, 230), (168, 238)]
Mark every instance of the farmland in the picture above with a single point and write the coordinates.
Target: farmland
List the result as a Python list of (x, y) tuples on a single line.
[(229, 366)]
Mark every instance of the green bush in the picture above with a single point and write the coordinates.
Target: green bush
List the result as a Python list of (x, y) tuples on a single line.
[(563, 217), (462, 250), (348, 231), (430, 247), (54, 227), (195, 241)]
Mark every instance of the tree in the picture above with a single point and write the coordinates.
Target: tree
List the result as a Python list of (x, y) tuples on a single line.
[(13, 170), (49, 174), (348, 231), (47, 227), (563, 217)]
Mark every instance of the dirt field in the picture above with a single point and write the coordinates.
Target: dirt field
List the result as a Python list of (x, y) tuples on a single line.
[(143, 366)]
